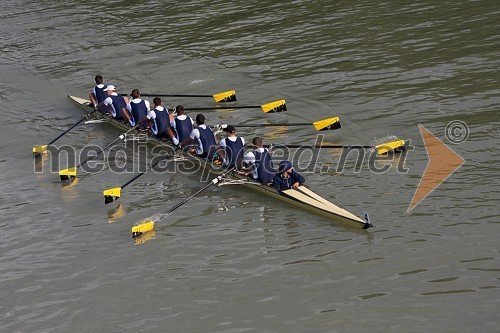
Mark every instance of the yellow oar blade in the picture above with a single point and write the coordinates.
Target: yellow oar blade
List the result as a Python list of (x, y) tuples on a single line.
[(141, 228), (327, 124), (226, 96), (67, 174), (39, 150), (396, 146), (111, 194), (277, 106)]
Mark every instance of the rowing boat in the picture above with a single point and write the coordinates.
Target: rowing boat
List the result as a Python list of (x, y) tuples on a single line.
[(301, 197)]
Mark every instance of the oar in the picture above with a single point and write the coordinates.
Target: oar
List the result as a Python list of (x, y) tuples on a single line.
[(113, 194), (226, 96), (393, 146), (320, 125), (67, 174), (149, 223), (276, 106), (384, 148), (316, 146), (40, 149)]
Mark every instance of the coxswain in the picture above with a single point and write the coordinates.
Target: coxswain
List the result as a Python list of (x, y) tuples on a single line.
[(263, 170), (182, 124), (139, 108), (118, 105), (287, 177), (232, 148), (98, 95), (161, 128), (204, 137)]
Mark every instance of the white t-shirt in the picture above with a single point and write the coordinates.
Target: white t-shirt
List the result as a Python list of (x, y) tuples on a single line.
[(109, 101), (152, 113), (100, 86), (181, 117), (233, 139), (137, 101), (249, 157), (195, 135)]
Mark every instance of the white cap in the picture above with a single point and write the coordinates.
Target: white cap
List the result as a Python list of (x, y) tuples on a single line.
[(110, 87), (249, 158)]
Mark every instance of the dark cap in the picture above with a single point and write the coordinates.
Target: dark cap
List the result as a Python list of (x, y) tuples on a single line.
[(284, 166), (230, 129)]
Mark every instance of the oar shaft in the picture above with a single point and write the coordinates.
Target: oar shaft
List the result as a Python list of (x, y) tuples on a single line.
[(174, 95), (140, 174), (103, 149), (212, 182), (85, 161), (317, 147), (169, 95), (223, 107), (132, 179), (273, 125), (189, 198), (69, 129)]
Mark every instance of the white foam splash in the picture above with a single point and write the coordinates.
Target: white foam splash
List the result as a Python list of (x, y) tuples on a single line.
[(385, 139), (153, 218)]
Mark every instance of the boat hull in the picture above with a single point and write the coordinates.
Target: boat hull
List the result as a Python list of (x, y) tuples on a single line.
[(303, 198)]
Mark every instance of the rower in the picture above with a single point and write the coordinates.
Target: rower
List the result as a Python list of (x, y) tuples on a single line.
[(263, 170), (248, 166), (161, 128), (207, 146), (182, 124), (287, 177), (98, 95), (139, 108), (118, 105), (232, 147)]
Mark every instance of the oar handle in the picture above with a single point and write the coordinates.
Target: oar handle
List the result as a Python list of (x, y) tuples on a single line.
[(69, 129)]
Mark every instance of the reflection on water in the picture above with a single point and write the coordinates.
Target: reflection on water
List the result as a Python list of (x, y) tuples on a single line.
[(69, 190), (116, 213), (144, 237), (39, 162)]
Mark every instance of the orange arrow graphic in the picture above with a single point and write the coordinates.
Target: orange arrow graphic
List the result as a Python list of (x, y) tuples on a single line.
[(442, 163)]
